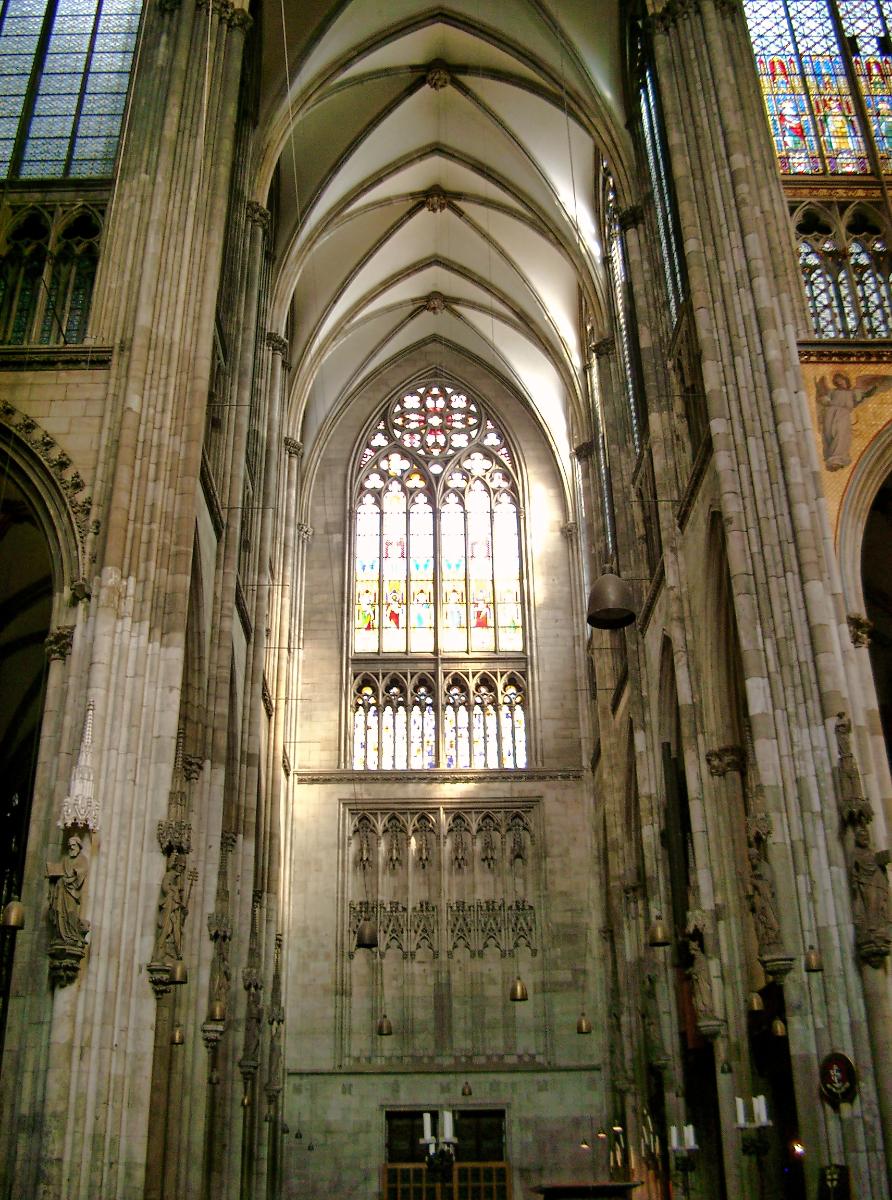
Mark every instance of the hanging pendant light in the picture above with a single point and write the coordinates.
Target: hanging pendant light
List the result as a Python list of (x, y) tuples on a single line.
[(583, 1025), (518, 991), (756, 1003), (610, 603), (178, 1036), (658, 934), (178, 973), (778, 1028), (367, 935), (813, 961), (384, 1027), (13, 916), (217, 1011)]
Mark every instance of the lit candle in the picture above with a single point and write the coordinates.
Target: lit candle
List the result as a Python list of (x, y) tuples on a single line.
[(447, 1125), (673, 1138), (741, 1111), (760, 1110), (689, 1143), (427, 1127)]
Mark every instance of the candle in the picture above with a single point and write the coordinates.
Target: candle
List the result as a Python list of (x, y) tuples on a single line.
[(689, 1143), (673, 1138), (741, 1111), (447, 1126), (427, 1127), (760, 1110)]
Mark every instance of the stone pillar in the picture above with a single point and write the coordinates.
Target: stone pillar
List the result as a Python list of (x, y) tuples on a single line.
[(747, 311)]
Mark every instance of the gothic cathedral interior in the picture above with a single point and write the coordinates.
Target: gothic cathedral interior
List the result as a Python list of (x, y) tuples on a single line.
[(446, 581)]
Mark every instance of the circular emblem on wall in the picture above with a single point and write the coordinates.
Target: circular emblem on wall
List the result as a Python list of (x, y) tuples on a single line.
[(839, 1079)]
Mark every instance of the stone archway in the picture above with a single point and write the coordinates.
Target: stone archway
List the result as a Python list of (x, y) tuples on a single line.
[(876, 573)]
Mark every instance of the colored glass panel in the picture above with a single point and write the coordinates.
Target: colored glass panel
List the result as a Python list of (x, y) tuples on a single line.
[(421, 562), (394, 565), (805, 87), (480, 566), (367, 574), (866, 25), (454, 625)]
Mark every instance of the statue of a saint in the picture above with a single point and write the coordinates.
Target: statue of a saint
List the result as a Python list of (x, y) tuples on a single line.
[(172, 910), (67, 880), (836, 402), (701, 983), (870, 898), (763, 902)]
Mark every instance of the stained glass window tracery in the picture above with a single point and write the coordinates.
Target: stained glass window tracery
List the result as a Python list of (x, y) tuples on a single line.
[(846, 271), (437, 573)]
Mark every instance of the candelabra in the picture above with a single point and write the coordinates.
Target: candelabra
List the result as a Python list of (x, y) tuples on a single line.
[(754, 1135), (683, 1155), (440, 1156)]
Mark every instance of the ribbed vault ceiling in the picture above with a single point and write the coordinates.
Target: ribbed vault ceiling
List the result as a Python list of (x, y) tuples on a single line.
[(437, 187)]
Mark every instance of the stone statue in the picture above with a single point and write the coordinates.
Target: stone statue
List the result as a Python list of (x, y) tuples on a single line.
[(763, 902), (173, 906), (870, 899), (650, 1019), (68, 933), (701, 983), (67, 880)]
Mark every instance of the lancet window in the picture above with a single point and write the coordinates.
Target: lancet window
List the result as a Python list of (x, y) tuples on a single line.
[(826, 75), (47, 270), (655, 154), (64, 75), (846, 271), (437, 590)]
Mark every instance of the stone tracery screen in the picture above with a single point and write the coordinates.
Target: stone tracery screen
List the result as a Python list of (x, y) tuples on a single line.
[(437, 584), (456, 896)]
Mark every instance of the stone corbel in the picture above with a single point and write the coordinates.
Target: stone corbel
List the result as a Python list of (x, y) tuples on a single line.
[(860, 629), (59, 642), (724, 759)]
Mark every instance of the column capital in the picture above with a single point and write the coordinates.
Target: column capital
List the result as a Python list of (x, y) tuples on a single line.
[(293, 448), (603, 348), (58, 643), (257, 214), (631, 216), (277, 343)]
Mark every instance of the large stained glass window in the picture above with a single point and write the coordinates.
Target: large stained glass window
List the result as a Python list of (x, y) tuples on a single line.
[(437, 579), (816, 73), (64, 74)]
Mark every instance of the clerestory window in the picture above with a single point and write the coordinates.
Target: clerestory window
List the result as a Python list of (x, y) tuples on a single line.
[(438, 659)]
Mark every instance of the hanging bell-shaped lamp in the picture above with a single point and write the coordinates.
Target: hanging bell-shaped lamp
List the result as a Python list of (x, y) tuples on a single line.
[(658, 934), (583, 1025), (13, 915), (217, 1011), (610, 603), (756, 1003), (384, 1027), (178, 1036), (518, 990), (178, 972), (367, 935), (778, 1028), (813, 961)]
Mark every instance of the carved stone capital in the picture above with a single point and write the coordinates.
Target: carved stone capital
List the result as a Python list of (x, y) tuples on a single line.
[(585, 450), (58, 644), (603, 348), (304, 532), (277, 343), (631, 216), (570, 530), (159, 977), (236, 18), (666, 16), (257, 214), (724, 759), (860, 629), (293, 448), (435, 201), (65, 962)]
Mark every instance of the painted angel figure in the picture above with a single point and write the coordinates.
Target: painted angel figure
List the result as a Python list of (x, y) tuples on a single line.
[(836, 402)]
